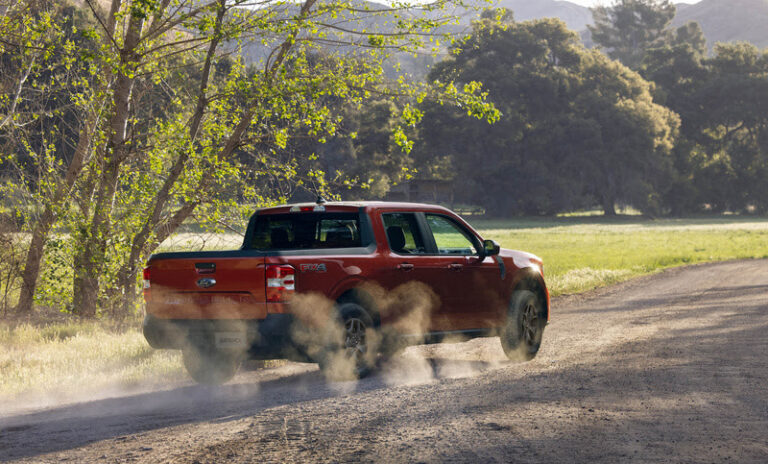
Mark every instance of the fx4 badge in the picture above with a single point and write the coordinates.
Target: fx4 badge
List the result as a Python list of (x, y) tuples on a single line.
[(313, 267)]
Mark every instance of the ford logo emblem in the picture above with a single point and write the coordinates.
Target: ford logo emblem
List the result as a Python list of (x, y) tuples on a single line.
[(206, 282)]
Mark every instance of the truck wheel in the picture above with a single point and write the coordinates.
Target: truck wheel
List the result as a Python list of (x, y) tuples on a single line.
[(351, 355), (210, 366), (521, 334)]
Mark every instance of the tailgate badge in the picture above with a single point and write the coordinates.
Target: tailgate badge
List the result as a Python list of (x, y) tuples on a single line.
[(206, 282)]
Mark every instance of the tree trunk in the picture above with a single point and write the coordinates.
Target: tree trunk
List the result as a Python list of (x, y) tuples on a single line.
[(32, 264), (86, 287), (609, 206), (89, 263), (139, 245), (41, 230)]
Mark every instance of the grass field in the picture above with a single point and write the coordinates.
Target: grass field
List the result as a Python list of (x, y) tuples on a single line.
[(583, 253), (69, 359)]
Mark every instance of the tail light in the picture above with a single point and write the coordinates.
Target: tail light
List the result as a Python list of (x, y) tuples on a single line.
[(281, 282), (146, 284)]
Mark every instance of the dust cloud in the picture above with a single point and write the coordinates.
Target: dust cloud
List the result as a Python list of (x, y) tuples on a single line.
[(407, 315), (393, 354)]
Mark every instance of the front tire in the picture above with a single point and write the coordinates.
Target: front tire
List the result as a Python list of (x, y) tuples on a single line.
[(521, 335), (209, 366)]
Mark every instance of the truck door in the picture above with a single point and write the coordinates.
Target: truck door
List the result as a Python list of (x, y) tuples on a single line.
[(414, 274), (474, 284)]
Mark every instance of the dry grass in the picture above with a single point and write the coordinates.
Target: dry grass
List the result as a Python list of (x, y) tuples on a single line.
[(74, 360)]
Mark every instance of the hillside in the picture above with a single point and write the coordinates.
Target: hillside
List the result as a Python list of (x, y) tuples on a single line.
[(721, 20), (575, 16), (729, 20)]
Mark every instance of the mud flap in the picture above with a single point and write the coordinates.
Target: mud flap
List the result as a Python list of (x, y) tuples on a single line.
[(502, 267)]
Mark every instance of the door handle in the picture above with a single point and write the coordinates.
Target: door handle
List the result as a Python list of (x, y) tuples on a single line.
[(405, 267), (455, 266)]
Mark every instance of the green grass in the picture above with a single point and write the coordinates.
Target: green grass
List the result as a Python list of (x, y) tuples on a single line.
[(581, 253)]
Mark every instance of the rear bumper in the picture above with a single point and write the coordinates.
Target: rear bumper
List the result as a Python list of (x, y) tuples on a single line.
[(266, 338)]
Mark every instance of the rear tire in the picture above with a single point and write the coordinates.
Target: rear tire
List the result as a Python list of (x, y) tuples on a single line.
[(352, 353), (209, 366), (521, 335)]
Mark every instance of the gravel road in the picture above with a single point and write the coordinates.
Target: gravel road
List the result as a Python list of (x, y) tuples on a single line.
[(667, 368)]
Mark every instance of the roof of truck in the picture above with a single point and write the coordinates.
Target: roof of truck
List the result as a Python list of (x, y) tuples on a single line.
[(358, 204)]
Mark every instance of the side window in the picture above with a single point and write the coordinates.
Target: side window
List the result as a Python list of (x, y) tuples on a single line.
[(403, 233), (450, 238)]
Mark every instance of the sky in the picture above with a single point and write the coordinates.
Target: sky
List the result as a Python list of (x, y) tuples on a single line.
[(608, 2)]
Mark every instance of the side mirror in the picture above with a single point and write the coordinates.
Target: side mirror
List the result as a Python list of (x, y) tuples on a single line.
[(490, 248)]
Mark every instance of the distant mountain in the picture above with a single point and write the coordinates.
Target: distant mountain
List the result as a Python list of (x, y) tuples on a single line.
[(728, 20), (575, 16), (721, 20)]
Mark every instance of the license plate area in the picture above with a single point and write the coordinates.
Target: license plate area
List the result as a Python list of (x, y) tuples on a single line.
[(231, 340)]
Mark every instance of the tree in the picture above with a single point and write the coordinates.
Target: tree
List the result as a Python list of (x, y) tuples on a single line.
[(733, 101), (677, 69), (167, 108), (630, 27), (39, 39), (630, 160), (577, 127), (721, 158)]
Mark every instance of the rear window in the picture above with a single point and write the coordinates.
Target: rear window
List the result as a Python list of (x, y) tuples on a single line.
[(306, 231)]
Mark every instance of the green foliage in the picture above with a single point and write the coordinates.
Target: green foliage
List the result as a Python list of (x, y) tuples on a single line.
[(577, 127), (722, 156), (163, 114), (628, 28)]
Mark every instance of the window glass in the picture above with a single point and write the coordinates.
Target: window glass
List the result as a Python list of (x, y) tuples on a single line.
[(403, 233), (450, 238), (300, 231)]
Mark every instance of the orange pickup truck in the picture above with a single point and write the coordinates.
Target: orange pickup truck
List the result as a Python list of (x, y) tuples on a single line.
[(342, 284)]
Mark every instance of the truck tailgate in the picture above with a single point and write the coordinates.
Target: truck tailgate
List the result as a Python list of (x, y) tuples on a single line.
[(207, 287)]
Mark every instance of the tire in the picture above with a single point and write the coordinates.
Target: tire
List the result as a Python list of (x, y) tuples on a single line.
[(352, 352), (209, 366), (521, 335)]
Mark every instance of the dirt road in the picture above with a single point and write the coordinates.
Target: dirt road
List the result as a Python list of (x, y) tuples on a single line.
[(668, 368)]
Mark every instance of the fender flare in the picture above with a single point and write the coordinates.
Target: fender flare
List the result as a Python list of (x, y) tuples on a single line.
[(529, 278), (350, 290)]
